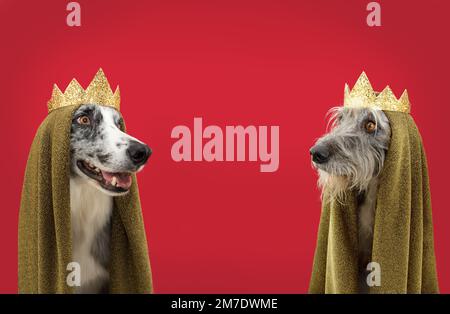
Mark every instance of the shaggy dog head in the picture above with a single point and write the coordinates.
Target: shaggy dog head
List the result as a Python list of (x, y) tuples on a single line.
[(353, 152)]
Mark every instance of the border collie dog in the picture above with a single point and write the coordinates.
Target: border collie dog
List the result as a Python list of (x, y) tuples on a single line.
[(102, 160)]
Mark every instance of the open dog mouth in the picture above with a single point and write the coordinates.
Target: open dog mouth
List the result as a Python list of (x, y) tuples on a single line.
[(118, 182)]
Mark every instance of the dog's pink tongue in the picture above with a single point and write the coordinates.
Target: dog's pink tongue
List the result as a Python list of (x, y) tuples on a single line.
[(123, 179)]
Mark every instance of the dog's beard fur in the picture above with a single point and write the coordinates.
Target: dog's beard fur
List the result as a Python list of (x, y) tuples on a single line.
[(332, 186)]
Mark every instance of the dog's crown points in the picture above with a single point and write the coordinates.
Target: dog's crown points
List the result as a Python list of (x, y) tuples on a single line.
[(98, 92), (362, 95)]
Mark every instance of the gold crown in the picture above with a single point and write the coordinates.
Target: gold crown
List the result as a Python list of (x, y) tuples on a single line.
[(363, 96), (98, 92)]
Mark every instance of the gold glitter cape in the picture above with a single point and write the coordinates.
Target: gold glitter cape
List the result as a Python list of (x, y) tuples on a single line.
[(45, 238), (403, 243)]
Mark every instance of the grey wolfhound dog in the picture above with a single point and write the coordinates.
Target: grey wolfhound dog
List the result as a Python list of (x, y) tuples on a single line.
[(350, 158)]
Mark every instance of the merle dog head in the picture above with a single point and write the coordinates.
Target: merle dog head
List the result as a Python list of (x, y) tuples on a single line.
[(101, 152), (353, 152)]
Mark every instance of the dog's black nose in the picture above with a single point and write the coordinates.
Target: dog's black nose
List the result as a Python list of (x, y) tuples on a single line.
[(138, 153), (320, 153)]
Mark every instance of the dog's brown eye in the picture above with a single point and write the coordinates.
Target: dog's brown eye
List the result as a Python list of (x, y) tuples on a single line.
[(84, 120), (370, 126)]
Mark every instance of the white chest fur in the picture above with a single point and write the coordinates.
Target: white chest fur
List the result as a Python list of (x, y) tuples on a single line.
[(90, 211)]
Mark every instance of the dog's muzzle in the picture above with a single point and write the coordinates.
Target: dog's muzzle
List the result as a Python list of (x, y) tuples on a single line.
[(320, 153)]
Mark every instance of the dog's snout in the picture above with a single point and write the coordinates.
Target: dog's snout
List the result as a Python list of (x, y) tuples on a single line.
[(138, 153), (320, 153)]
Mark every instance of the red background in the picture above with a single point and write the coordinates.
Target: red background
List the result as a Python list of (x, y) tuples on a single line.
[(224, 227)]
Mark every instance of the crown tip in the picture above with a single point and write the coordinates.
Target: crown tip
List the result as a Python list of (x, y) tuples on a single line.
[(99, 76), (56, 88), (387, 92), (346, 89), (98, 80), (404, 101), (387, 89), (363, 79), (362, 87), (73, 88), (363, 76)]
